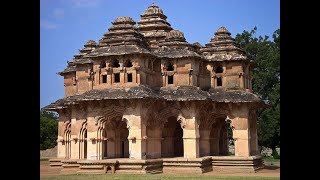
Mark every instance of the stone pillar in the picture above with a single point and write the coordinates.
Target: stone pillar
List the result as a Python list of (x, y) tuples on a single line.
[(154, 143), (241, 81), (241, 144), (241, 130), (109, 79), (122, 77), (138, 77), (137, 135), (74, 147), (164, 81), (60, 140), (74, 140), (204, 142), (91, 139), (212, 82), (191, 139), (61, 149), (134, 74)]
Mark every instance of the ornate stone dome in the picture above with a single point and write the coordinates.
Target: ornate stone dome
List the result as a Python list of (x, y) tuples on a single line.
[(175, 35), (124, 20), (223, 47), (153, 10)]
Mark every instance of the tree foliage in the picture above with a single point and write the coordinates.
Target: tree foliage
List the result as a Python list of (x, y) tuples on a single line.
[(266, 82), (48, 130)]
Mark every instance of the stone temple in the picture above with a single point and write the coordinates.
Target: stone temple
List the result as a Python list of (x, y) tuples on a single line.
[(144, 100)]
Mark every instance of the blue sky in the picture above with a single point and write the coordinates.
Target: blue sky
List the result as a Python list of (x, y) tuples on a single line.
[(66, 25)]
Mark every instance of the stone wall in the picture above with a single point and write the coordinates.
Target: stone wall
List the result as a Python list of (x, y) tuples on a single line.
[(49, 152)]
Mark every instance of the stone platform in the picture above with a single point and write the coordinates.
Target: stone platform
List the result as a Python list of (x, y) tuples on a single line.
[(55, 163), (237, 164), (164, 165), (187, 165)]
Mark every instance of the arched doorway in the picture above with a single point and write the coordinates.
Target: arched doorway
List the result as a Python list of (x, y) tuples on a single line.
[(115, 139), (172, 143), (67, 137), (219, 138), (123, 140)]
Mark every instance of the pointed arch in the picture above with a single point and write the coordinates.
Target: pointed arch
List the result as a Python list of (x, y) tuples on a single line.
[(67, 137)]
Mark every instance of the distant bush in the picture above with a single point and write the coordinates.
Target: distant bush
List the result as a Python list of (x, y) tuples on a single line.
[(48, 130)]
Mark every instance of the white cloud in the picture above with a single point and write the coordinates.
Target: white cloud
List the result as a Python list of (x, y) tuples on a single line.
[(85, 3), (58, 13), (45, 24)]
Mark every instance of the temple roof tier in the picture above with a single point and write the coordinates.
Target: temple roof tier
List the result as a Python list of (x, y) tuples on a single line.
[(122, 38), (223, 47), (181, 93), (153, 25)]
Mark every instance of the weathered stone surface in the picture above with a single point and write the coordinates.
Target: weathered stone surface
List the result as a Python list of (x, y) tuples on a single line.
[(144, 100)]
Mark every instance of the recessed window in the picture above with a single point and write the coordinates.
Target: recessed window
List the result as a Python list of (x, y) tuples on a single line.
[(104, 78), (114, 63), (103, 64), (117, 78), (128, 63), (129, 76), (219, 81), (170, 67), (170, 79), (218, 69)]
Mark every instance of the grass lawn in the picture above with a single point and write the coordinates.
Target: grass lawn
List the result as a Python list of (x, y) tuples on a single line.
[(270, 159), (153, 177)]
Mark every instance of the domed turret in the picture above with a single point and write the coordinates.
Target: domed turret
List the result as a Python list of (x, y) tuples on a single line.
[(223, 47), (124, 20), (153, 10), (153, 25)]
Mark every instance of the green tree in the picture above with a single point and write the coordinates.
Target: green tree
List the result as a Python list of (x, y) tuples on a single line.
[(266, 83), (48, 130)]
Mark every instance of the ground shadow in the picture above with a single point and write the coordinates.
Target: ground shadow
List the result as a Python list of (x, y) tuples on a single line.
[(271, 167)]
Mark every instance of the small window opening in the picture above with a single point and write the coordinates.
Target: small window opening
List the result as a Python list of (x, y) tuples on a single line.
[(170, 67), (129, 77), (218, 69), (115, 63), (117, 78), (219, 81), (170, 79), (104, 78), (128, 63), (103, 65)]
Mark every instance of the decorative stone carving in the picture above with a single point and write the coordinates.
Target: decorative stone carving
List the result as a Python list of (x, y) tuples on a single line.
[(98, 119), (182, 121), (129, 123)]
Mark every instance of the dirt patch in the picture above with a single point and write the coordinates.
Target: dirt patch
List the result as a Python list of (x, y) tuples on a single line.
[(46, 170)]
